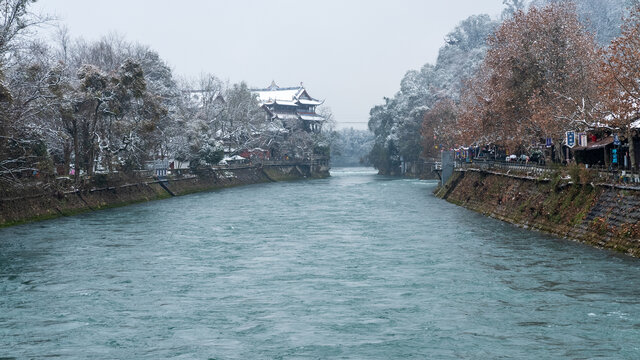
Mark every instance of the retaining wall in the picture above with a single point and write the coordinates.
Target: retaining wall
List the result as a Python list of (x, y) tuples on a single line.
[(38, 204), (601, 215)]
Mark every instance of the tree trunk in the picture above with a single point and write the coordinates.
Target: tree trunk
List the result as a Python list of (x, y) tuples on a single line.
[(76, 151), (548, 156), (632, 149), (91, 155), (3, 134), (86, 146), (559, 156), (109, 154), (66, 151), (91, 139)]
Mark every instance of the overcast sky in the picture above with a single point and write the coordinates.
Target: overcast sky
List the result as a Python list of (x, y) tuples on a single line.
[(351, 53)]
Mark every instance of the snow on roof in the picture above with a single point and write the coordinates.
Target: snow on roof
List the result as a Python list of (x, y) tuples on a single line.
[(310, 102), (179, 165), (286, 103), (311, 117), (635, 124), (269, 96), (286, 116), (233, 158), (274, 93)]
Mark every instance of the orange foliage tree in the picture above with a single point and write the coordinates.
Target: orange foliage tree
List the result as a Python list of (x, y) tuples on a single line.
[(538, 79), (620, 79), (439, 128), (477, 119)]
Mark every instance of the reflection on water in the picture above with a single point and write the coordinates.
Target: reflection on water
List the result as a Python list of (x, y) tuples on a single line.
[(355, 266)]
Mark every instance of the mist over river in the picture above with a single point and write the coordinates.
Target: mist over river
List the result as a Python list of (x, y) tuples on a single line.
[(357, 266)]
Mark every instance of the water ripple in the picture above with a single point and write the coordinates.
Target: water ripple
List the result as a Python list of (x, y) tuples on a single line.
[(357, 266)]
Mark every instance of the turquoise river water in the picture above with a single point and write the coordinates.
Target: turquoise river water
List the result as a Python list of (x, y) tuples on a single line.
[(357, 266)]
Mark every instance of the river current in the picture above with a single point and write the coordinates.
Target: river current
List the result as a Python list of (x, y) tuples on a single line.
[(357, 266)]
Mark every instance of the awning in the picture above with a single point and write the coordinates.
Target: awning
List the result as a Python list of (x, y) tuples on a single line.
[(595, 145)]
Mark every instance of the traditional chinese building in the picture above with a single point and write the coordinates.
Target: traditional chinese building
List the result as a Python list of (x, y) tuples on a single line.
[(292, 105)]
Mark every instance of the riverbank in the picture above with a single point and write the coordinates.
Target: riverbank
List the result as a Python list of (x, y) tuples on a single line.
[(52, 203), (601, 215)]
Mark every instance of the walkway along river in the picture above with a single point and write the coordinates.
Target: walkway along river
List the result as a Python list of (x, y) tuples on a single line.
[(354, 266)]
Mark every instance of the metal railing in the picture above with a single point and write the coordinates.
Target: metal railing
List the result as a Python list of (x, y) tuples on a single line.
[(315, 161), (598, 173), (489, 165)]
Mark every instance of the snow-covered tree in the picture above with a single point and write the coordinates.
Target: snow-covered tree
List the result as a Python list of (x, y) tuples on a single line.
[(351, 147), (397, 123), (22, 84), (512, 6), (198, 133), (110, 105), (243, 118), (601, 18)]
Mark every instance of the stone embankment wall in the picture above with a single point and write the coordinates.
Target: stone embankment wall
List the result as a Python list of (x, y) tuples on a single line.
[(46, 204), (601, 215), (416, 170)]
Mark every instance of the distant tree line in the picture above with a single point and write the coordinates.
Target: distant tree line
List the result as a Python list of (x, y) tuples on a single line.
[(544, 68), (350, 147), (73, 106)]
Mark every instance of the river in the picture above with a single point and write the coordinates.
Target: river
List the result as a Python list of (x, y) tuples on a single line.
[(357, 266)]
